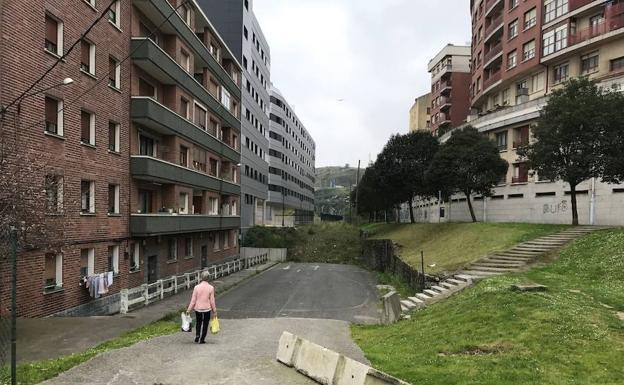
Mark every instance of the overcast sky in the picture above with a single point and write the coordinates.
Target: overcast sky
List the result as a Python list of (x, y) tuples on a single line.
[(372, 54)]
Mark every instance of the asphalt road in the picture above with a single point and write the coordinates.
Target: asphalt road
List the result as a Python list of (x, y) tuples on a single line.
[(298, 290)]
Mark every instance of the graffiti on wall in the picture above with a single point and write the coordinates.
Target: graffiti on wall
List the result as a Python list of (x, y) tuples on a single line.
[(556, 208)]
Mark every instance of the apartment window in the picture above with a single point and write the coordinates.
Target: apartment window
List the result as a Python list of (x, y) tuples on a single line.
[(589, 63), (512, 59), (513, 4), (225, 98), (87, 57), (213, 206), (145, 202), (53, 271), (185, 14), (530, 18), (616, 64), (114, 137), (113, 199), (244, 62), (183, 204), (216, 246), (245, 33), (200, 116), (188, 247), (184, 156), (247, 5), (53, 116), (147, 146), (184, 108), (87, 197), (560, 73), (114, 73), (54, 193), (528, 50), (135, 258), (113, 13), (537, 82), (147, 89), (186, 61), (53, 35), (113, 259), (214, 50), (87, 262), (501, 140), (555, 40), (513, 29), (225, 241), (87, 127), (173, 249), (554, 8)]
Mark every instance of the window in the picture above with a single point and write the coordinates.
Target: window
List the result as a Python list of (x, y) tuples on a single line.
[(173, 249), (184, 108), (184, 156), (87, 262), (53, 116), (513, 4), (555, 40), (225, 241), (87, 127), (147, 146), (186, 61), (200, 116), (113, 13), (145, 202), (513, 29), (225, 98), (54, 193), (183, 204), (589, 63), (511, 59), (135, 258), (214, 50), (554, 8), (87, 197), (213, 206), (113, 259), (530, 18), (53, 35), (185, 14), (113, 199), (114, 73), (616, 64), (53, 271), (146, 89), (114, 137), (188, 247), (528, 50), (87, 57), (537, 82), (245, 33), (501, 140), (560, 73), (244, 62), (216, 245)]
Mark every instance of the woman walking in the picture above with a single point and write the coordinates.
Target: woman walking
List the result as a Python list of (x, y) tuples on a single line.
[(203, 302)]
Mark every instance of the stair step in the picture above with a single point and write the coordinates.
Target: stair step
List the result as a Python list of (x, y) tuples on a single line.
[(546, 243), (423, 297), (478, 273), (463, 277), (440, 289), (532, 248), (520, 253), (456, 282), (449, 286), (506, 262), (417, 301), (493, 269), (409, 304), (404, 308), (513, 258), (431, 293)]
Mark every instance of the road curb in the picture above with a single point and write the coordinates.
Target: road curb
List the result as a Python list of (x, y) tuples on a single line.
[(326, 366)]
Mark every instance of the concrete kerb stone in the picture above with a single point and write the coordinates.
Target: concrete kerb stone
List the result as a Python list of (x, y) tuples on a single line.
[(391, 308), (326, 366)]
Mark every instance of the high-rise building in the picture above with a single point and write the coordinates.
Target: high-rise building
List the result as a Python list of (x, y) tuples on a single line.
[(420, 117), (138, 157), (450, 84), (238, 25), (292, 155)]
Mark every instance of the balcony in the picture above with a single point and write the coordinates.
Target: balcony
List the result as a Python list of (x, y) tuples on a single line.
[(493, 79), (492, 53), (160, 171), (159, 118), (576, 4), (490, 5), (494, 26), (609, 24), (445, 119), (520, 179), (144, 225), (152, 59), (445, 103), (446, 86)]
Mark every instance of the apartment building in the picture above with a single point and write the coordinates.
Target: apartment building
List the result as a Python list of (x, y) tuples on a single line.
[(527, 49), (140, 153), (420, 114), (292, 155), (450, 82), (241, 30)]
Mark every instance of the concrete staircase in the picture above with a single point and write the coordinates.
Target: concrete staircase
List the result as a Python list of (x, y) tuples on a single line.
[(512, 260)]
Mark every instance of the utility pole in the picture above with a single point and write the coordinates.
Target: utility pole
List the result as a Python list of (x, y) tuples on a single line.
[(283, 205), (357, 188)]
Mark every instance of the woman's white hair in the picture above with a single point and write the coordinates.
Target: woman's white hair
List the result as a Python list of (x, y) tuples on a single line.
[(205, 276)]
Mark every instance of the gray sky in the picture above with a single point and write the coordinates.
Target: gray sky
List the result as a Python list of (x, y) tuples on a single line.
[(371, 53)]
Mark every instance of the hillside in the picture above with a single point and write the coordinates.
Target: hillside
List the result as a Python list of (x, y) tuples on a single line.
[(328, 177)]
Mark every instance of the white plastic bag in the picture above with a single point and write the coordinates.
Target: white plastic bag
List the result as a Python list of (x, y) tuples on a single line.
[(187, 323)]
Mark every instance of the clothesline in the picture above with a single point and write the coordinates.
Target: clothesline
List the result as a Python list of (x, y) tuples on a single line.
[(98, 284)]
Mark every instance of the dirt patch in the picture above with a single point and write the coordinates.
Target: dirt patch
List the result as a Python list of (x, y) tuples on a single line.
[(620, 315), (481, 350)]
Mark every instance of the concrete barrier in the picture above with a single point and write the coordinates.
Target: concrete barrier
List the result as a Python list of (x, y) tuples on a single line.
[(326, 366), (391, 308)]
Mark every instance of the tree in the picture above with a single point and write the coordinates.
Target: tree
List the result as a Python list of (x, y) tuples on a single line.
[(569, 136), (469, 163), (613, 140)]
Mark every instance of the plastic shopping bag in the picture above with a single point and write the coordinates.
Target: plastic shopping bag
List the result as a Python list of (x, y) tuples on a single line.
[(214, 326), (187, 323)]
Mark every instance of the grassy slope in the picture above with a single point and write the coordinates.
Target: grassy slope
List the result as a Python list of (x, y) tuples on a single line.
[(551, 338), (328, 242), (451, 245)]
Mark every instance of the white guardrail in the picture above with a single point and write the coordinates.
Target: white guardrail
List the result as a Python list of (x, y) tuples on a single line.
[(149, 293)]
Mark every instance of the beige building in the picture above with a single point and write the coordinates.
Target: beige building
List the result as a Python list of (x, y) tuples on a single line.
[(420, 118)]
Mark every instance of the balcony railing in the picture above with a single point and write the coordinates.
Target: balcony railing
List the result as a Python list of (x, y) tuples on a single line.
[(495, 50), (494, 25), (576, 4), (496, 76), (520, 179), (489, 4), (609, 24)]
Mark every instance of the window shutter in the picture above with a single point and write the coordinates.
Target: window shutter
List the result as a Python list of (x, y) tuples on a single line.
[(51, 30)]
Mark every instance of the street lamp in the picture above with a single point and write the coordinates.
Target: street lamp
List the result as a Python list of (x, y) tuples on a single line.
[(65, 82)]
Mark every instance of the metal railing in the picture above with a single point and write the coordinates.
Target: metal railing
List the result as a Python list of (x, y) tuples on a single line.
[(607, 25)]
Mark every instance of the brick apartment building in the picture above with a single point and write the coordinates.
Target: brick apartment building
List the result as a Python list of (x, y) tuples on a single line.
[(522, 50), (141, 152)]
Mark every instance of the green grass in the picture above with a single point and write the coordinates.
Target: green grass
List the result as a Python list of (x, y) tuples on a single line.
[(491, 335), (450, 246), (36, 372)]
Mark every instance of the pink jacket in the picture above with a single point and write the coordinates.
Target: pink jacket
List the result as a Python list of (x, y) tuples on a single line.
[(203, 298)]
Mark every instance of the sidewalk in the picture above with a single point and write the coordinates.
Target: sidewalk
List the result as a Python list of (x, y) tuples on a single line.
[(46, 338)]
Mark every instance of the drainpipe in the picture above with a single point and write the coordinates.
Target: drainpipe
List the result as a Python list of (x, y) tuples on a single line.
[(592, 203)]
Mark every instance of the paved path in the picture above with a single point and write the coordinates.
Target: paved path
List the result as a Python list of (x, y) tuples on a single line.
[(242, 354), (297, 290)]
